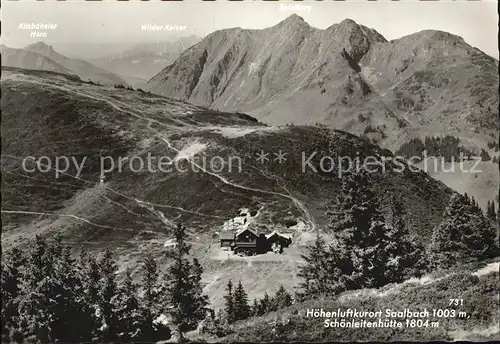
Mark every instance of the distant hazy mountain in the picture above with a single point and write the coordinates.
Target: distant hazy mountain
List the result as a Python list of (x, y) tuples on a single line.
[(41, 56), (92, 50), (346, 76), (22, 58), (138, 64)]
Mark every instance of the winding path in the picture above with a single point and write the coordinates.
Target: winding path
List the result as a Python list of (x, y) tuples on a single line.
[(119, 106)]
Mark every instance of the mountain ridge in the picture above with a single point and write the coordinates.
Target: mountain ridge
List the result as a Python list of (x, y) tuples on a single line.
[(281, 72), (23, 58), (139, 63)]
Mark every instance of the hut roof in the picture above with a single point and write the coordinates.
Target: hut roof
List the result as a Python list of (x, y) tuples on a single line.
[(284, 235), (242, 230)]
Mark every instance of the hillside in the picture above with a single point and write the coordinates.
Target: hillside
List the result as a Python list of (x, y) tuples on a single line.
[(21, 58), (438, 83), (122, 123), (482, 185), (54, 115), (474, 283), (40, 56), (346, 76)]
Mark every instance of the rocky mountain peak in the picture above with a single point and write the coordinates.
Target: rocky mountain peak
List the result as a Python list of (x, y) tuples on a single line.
[(294, 18), (40, 45), (41, 48), (354, 39), (348, 23), (293, 21)]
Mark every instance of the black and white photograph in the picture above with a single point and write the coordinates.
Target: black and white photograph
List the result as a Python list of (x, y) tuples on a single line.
[(249, 171)]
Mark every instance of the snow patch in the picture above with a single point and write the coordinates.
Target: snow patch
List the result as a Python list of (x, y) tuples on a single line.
[(190, 150), (235, 132), (488, 269)]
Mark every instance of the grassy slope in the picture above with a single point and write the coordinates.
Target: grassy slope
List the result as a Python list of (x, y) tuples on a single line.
[(480, 295), (483, 185), (49, 114)]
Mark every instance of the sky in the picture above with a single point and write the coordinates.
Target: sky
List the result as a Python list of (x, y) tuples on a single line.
[(120, 22)]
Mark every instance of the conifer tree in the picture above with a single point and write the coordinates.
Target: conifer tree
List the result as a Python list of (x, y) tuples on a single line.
[(475, 206), (89, 275), (407, 255), (213, 325), (196, 272), (255, 307), (68, 312), (363, 233), (466, 198), (265, 304), (187, 306), (472, 201), (49, 310), (313, 270), (241, 307), (377, 254), (128, 310), (491, 212), (464, 234), (108, 293), (485, 156), (282, 298), (229, 307), (370, 251), (339, 268), (12, 265), (35, 306), (151, 303), (201, 310)]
